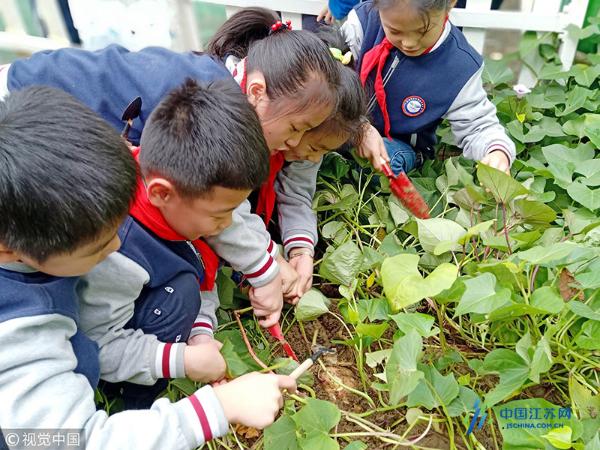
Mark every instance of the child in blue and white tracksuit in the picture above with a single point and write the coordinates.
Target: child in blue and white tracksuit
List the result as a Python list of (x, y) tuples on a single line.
[(419, 77)]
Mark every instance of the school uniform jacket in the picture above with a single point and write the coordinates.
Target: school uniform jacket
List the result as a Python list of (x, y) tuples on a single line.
[(49, 369), (146, 269), (421, 91)]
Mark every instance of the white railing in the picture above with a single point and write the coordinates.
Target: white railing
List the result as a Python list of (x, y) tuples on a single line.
[(16, 38), (476, 19)]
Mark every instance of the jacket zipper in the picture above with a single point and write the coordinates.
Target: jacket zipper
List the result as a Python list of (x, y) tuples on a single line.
[(386, 78)]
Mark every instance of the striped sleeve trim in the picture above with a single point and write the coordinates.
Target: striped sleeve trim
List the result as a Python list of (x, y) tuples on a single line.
[(298, 240), (272, 249), (263, 272), (205, 415), (202, 328), (169, 362)]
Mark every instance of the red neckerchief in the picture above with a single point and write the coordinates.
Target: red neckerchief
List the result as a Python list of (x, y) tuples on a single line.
[(150, 216), (266, 194), (376, 58)]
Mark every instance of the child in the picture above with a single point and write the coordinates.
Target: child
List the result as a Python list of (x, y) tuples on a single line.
[(290, 79), (66, 180), (344, 126), (141, 303), (422, 70)]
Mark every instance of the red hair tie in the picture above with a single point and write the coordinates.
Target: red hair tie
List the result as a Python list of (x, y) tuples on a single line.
[(280, 26)]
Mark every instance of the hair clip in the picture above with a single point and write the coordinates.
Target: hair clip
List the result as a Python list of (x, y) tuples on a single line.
[(337, 54), (280, 26)]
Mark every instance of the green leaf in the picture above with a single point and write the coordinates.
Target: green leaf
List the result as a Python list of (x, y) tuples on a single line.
[(594, 444), (331, 229), (281, 435), (533, 212), (587, 407), (421, 323), (496, 72), (399, 214), (463, 404), (589, 280), (236, 366), (480, 296), (373, 330), (562, 161), (542, 360), (586, 125), (513, 371), (584, 195), (583, 310), (317, 441), (401, 369), (590, 170), (312, 305), (476, 230), (342, 265), (590, 337), (317, 416), (356, 445), (547, 299), (434, 390), (548, 256), (560, 437), (503, 187), (404, 285), (435, 231)]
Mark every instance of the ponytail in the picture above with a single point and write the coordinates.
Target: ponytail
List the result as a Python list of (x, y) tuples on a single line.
[(236, 35)]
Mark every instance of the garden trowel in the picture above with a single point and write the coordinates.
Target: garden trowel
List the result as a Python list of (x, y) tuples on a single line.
[(406, 192), (308, 363)]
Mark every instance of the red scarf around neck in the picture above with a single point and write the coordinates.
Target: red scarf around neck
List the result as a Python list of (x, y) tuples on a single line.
[(266, 194), (150, 216), (375, 59)]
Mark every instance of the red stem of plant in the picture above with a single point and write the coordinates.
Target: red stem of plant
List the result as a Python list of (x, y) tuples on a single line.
[(247, 342)]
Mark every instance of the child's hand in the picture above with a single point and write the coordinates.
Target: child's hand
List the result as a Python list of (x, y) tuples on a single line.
[(203, 361), (289, 279), (325, 15), (372, 147), (254, 399), (498, 160), (303, 263), (267, 302)]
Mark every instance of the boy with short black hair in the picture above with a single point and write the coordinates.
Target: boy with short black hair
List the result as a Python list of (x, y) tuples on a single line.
[(143, 303), (66, 181)]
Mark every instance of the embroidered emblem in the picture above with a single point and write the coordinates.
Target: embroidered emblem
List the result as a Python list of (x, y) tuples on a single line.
[(413, 106), (169, 289), (157, 312)]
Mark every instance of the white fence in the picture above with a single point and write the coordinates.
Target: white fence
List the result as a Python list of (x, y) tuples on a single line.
[(476, 19)]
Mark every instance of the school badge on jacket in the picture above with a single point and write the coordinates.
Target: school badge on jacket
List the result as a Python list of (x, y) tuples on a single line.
[(413, 106)]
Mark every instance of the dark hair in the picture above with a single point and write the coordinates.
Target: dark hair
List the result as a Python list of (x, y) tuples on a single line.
[(287, 59), (423, 7), (205, 135), (352, 103), (66, 176)]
